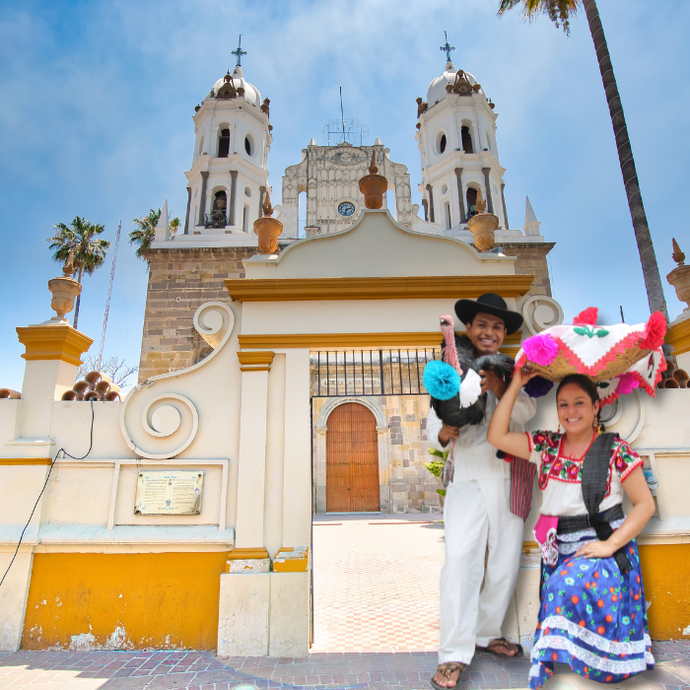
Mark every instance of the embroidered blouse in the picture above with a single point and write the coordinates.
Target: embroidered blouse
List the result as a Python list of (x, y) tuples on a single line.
[(560, 476)]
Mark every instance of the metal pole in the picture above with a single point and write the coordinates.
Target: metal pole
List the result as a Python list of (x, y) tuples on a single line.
[(107, 300)]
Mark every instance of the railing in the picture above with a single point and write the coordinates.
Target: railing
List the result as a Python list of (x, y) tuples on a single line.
[(370, 372), (215, 219)]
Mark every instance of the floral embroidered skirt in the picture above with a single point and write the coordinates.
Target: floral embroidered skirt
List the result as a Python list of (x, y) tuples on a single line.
[(591, 617)]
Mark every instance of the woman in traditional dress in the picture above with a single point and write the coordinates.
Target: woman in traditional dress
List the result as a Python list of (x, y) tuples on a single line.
[(592, 613)]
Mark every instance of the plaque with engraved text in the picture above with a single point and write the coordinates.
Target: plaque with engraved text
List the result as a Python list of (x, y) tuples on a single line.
[(169, 493)]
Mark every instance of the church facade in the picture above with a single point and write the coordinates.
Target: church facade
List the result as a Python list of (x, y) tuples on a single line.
[(227, 183), (197, 491)]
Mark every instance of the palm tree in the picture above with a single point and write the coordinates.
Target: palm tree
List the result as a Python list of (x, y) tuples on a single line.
[(560, 12), (78, 241), (145, 231)]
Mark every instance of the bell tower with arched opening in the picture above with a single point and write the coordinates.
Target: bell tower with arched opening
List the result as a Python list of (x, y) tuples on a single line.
[(229, 173), (457, 142)]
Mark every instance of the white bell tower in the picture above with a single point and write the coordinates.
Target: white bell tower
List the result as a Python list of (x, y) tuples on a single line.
[(457, 142), (229, 173)]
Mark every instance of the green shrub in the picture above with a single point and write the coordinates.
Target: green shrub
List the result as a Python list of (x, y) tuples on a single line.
[(435, 466)]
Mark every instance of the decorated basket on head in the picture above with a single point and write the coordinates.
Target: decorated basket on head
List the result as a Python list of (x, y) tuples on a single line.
[(618, 358)]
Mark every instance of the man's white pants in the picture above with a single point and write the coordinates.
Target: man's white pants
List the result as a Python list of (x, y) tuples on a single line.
[(477, 518)]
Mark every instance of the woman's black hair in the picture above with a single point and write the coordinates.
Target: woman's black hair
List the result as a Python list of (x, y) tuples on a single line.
[(587, 385)]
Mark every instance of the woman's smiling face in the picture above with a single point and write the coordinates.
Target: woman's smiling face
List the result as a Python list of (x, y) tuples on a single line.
[(576, 411)]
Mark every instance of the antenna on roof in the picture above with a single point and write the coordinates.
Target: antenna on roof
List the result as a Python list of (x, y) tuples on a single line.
[(342, 112), (343, 131)]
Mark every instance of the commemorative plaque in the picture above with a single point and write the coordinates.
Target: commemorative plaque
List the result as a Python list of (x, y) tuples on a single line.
[(169, 493)]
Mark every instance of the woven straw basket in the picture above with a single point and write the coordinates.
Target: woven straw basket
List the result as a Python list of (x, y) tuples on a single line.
[(561, 367)]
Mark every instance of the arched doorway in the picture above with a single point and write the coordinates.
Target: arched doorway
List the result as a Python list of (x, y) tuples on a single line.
[(352, 460)]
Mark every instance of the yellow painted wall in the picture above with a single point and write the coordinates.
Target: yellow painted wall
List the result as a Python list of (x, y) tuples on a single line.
[(666, 577), (163, 600)]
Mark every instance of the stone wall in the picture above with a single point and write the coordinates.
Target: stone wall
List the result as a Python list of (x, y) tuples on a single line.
[(181, 280), (531, 260), (412, 487)]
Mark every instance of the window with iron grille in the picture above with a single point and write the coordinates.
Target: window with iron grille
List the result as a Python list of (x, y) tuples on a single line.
[(369, 372)]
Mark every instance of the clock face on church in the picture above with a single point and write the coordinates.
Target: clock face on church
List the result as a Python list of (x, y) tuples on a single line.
[(346, 208)]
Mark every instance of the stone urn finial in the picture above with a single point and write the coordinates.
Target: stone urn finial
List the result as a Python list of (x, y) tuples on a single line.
[(69, 269), (373, 168), (679, 277), (373, 186), (267, 228), (678, 255), (266, 207), (64, 290), (483, 226)]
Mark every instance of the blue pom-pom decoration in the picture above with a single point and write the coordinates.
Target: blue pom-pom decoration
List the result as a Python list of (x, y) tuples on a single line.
[(538, 386), (441, 380)]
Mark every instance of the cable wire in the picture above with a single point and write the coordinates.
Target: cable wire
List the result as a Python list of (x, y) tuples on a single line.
[(45, 484)]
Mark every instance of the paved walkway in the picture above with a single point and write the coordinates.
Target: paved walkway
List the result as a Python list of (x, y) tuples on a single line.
[(203, 671), (376, 626), (376, 580)]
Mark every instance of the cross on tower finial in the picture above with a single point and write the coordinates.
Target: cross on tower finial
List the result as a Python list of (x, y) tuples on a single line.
[(239, 52), (447, 47)]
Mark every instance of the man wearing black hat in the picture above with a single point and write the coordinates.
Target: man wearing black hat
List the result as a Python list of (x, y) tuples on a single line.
[(477, 517)]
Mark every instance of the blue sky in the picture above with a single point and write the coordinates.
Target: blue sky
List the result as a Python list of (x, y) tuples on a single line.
[(97, 98)]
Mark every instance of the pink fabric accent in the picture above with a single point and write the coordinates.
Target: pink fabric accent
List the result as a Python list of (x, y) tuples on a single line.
[(545, 533), (541, 349), (451, 353), (587, 317), (627, 384)]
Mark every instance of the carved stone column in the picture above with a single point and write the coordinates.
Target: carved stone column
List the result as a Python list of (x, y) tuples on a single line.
[(262, 194), (233, 197), (461, 196), (432, 218), (202, 200), (505, 209), (489, 195), (252, 454), (186, 216)]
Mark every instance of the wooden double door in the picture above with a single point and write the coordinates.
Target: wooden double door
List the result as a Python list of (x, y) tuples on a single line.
[(352, 460)]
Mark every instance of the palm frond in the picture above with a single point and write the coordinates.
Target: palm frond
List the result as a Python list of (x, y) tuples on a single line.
[(560, 12), (145, 231)]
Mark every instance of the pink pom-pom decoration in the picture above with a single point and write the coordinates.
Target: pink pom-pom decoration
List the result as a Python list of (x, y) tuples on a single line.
[(588, 317), (654, 332), (627, 384), (540, 349)]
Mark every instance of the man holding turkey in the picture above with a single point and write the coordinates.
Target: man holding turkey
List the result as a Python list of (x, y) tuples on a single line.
[(479, 525)]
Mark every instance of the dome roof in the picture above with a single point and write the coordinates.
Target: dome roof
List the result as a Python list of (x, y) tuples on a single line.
[(437, 89), (251, 93)]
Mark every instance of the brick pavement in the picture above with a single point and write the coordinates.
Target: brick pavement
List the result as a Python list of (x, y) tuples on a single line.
[(376, 583), (370, 572), (155, 670)]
